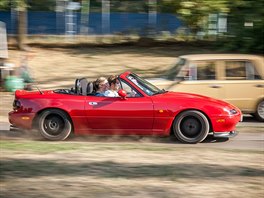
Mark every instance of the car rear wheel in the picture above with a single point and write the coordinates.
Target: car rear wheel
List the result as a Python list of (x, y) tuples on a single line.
[(191, 127), (260, 111), (54, 125)]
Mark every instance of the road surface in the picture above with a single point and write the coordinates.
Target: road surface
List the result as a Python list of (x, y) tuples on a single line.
[(250, 136)]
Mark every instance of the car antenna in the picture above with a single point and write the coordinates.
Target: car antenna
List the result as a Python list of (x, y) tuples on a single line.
[(39, 90)]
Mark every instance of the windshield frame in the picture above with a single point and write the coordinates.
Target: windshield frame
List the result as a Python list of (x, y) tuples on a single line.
[(143, 85)]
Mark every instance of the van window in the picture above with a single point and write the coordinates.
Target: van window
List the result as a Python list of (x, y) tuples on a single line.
[(240, 70), (197, 70), (206, 71), (200, 70)]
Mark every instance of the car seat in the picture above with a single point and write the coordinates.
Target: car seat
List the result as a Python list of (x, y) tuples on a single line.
[(90, 88), (81, 86)]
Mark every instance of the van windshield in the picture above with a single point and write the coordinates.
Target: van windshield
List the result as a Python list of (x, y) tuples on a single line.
[(178, 70)]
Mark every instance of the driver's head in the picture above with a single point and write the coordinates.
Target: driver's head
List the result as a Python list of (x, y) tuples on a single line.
[(113, 82)]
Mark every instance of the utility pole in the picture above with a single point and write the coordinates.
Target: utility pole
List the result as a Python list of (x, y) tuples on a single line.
[(152, 13), (85, 11), (105, 16)]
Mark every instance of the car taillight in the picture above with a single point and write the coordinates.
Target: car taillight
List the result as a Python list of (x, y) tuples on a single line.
[(16, 104)]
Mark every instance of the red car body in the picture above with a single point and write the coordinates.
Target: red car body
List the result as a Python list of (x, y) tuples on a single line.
[(147, 114)]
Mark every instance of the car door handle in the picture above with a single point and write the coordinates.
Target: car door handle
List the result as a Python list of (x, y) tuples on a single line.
[(92, 103), (259, 85), (215, 86)]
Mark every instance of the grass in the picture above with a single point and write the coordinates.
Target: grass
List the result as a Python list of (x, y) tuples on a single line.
[(37, 147), (132, 169), (43, 147)]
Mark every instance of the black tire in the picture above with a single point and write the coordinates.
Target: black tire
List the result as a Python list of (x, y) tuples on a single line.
[(259, 115), (191, 127), (54, 125)]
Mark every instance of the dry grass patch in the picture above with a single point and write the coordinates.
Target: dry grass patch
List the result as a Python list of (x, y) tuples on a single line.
[(86, 169)]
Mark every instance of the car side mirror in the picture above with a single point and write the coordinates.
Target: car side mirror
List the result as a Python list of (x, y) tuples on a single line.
[(122, 93)]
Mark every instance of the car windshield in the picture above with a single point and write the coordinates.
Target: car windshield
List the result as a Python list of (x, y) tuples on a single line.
[(144, 85), (177, 71)]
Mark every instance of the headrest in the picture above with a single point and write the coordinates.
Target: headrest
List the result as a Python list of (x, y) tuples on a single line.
[(90, 88), (81, 86)]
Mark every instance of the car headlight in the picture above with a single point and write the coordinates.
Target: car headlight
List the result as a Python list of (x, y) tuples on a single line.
[(232, 111)]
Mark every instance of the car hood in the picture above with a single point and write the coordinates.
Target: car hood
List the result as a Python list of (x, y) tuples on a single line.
[(192, 97)]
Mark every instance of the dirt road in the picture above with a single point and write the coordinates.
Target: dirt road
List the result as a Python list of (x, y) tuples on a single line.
[(132, 167), (250, 136)]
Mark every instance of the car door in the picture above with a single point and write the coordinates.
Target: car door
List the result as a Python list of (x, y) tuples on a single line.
[(243, 86), (114, 115)]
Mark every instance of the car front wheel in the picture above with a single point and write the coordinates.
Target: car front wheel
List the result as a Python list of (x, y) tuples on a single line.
[(260, 111), (54, 125), (191, 127)]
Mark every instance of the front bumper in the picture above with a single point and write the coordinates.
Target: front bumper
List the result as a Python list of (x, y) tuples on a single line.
[(230, 134)]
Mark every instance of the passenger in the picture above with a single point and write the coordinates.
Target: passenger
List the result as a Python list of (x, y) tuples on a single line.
[(101, 85), (114, 86)]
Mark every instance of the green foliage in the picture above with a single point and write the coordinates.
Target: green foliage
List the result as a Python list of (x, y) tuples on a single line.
[(245, 20), (4, 5), (18, 4), (246, 26), (42, 5), (245, 17), (169, 6), (193, 13)]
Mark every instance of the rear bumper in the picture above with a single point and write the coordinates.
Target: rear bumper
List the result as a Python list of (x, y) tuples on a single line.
[(21, 120), (13, 128), (225, 134)]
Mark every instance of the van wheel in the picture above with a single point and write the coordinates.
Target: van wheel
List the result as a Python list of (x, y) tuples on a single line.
[(54, 125), (191, 127), (259, 115)]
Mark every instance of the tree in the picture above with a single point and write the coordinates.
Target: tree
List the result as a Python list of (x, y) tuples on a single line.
[(244, 19), (246, 25), (21, 7), (4, 5), (194, 12)]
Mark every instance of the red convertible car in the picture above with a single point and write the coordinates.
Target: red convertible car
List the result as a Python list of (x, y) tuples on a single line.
[(148, 111)]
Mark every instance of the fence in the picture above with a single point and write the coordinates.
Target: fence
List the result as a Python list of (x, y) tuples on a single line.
[(125, 23)]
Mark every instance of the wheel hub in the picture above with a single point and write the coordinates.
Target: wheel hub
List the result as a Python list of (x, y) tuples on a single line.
[(53, 125), (190, 127)]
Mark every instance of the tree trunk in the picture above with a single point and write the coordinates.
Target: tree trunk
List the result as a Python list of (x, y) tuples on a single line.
[(22, 29)]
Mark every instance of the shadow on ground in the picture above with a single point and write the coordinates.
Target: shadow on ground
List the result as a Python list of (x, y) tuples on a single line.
[(20, 168)]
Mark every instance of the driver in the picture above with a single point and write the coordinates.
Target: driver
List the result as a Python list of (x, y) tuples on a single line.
[(114, 87)]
